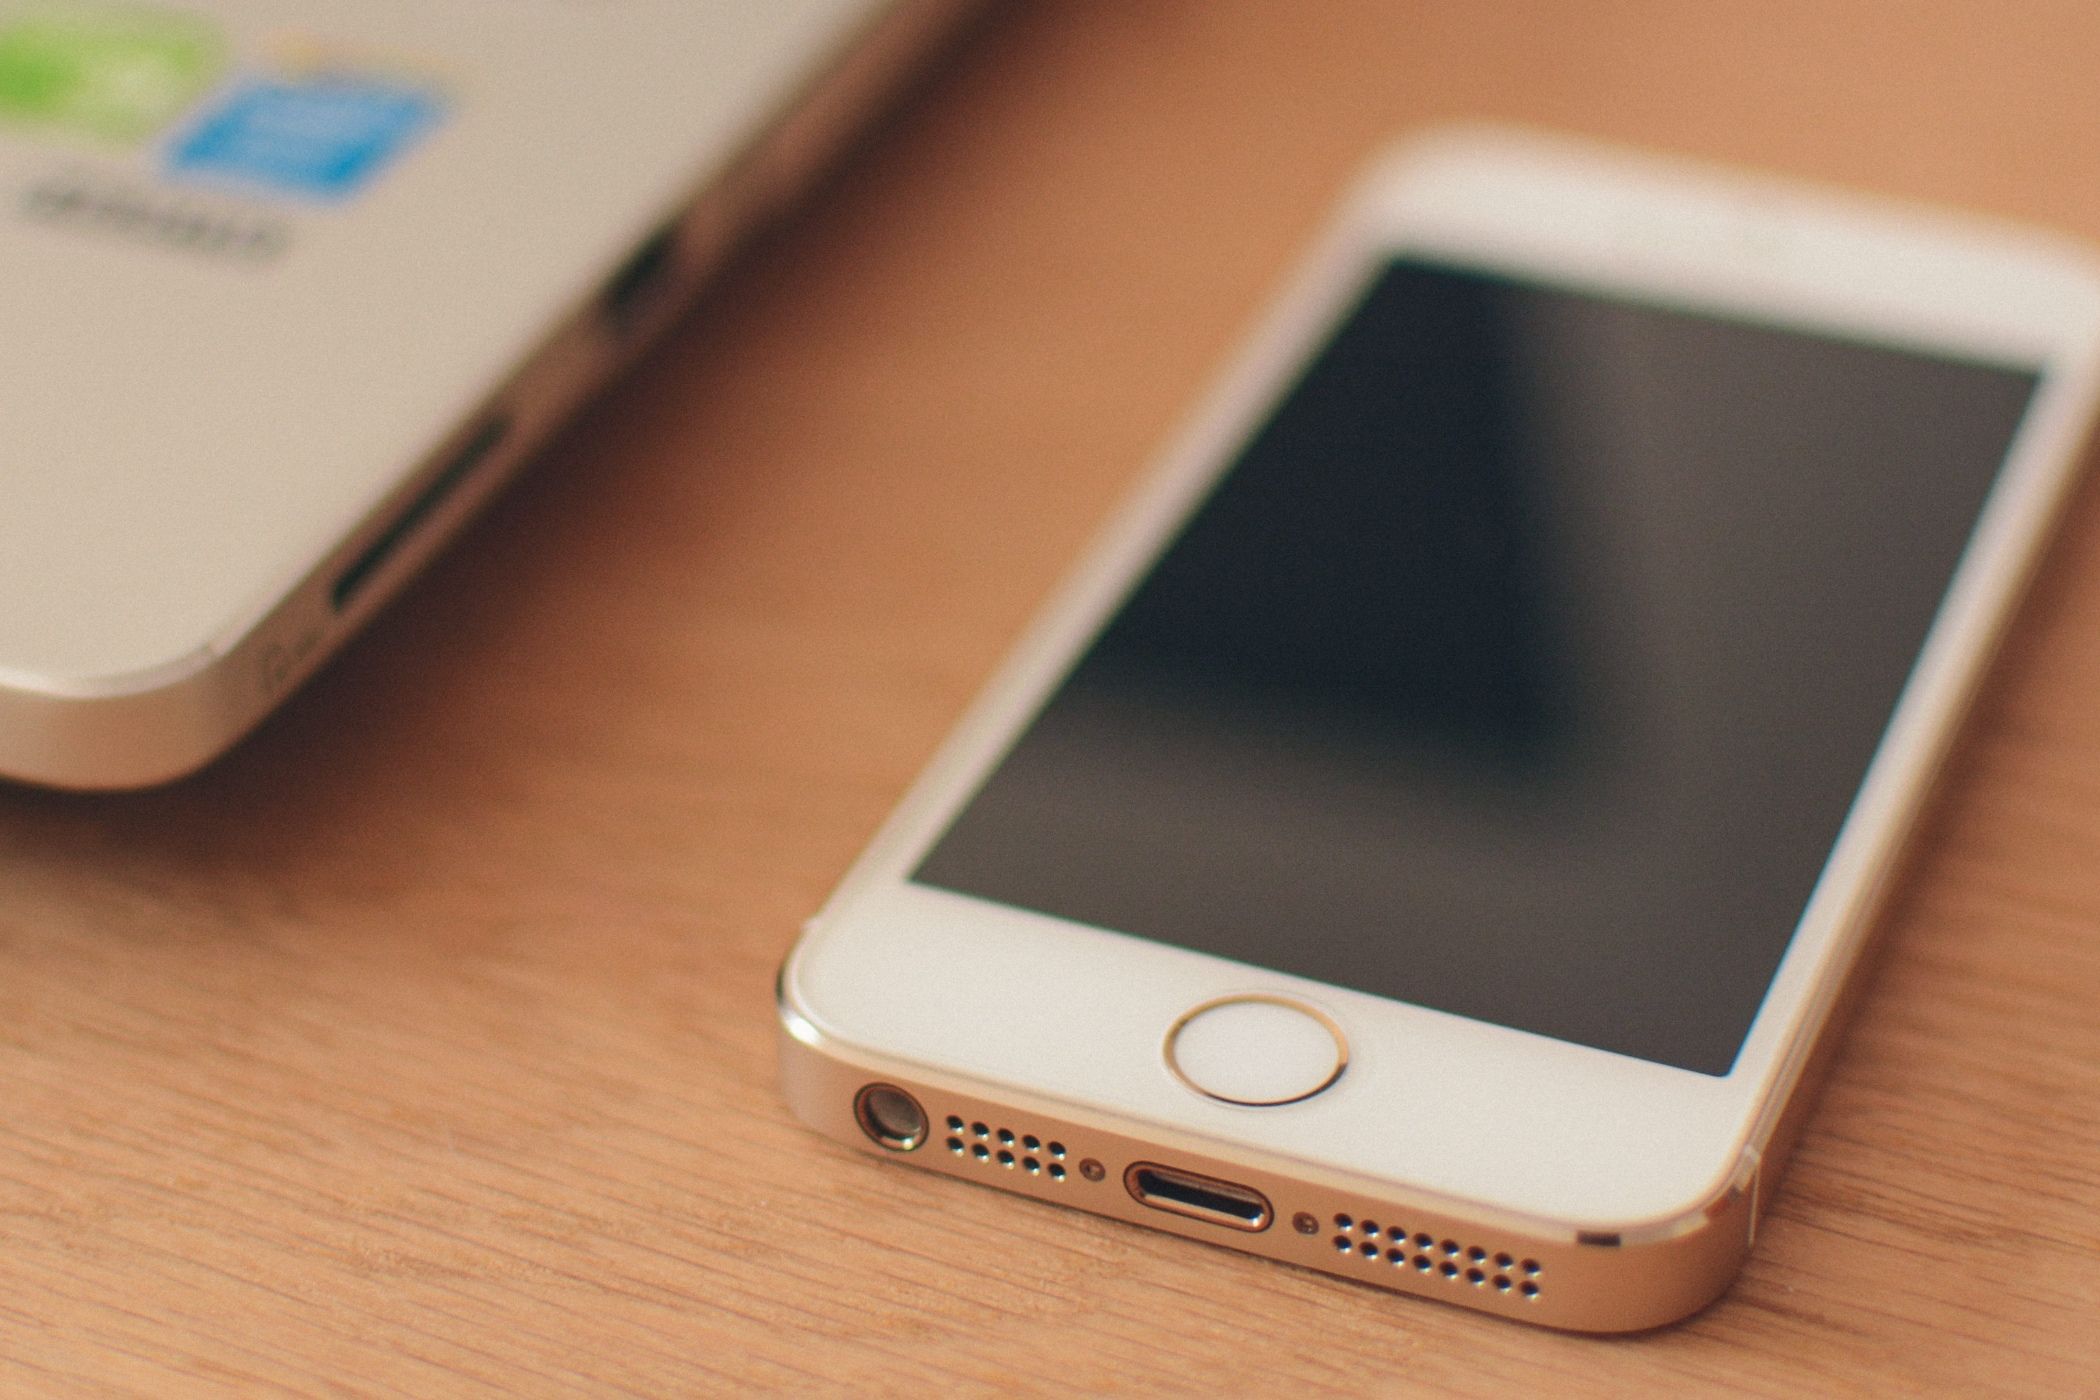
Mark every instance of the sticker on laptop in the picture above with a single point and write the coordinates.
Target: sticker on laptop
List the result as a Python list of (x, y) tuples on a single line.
[(116, 73), (321, 135)]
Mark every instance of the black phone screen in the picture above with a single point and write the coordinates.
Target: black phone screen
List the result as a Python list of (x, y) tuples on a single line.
[(1524, 664)]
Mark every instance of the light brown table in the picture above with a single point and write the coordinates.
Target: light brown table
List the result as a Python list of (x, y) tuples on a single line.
[(425, 1044)]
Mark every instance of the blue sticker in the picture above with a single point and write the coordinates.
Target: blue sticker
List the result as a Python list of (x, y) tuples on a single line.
[(322, 137)]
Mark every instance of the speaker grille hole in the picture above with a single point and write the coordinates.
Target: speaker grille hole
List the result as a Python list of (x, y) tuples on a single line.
[(1005, 1149), (1388, 1245)]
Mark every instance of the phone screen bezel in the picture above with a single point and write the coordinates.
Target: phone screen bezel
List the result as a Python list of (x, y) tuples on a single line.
[(1537, 1126)]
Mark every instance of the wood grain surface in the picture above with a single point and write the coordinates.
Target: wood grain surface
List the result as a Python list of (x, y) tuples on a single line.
[(424, 1045)]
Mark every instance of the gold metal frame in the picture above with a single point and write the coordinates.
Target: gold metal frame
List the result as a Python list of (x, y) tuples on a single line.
[(1367, 1232)]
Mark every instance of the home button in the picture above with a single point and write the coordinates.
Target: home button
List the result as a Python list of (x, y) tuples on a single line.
[(1256, 1050)]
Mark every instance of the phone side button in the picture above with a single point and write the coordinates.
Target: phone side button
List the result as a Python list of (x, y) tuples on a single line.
[(1256, 1050)]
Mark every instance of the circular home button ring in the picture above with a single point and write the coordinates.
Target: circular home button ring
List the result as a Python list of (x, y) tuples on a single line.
[(1256, 1050)]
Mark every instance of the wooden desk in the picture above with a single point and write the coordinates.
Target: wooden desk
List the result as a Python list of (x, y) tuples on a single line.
[(426, 1043)]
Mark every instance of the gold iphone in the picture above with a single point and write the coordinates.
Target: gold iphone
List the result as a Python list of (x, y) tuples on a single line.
[(1428, 839)]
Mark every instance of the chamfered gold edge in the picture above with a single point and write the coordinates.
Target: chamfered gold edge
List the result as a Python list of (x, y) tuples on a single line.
[(1585, 1279)]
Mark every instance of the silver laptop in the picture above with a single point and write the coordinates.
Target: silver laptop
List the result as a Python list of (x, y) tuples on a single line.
[(287, 289)]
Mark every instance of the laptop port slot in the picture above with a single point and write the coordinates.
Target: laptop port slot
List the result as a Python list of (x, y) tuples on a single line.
[(639, 285), (1197, 1196), (361, 570)]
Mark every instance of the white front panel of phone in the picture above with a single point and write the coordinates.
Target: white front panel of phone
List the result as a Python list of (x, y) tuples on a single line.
[(1438, 1101)]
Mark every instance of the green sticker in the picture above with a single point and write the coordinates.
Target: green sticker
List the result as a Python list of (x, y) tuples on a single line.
[(121, 74)]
